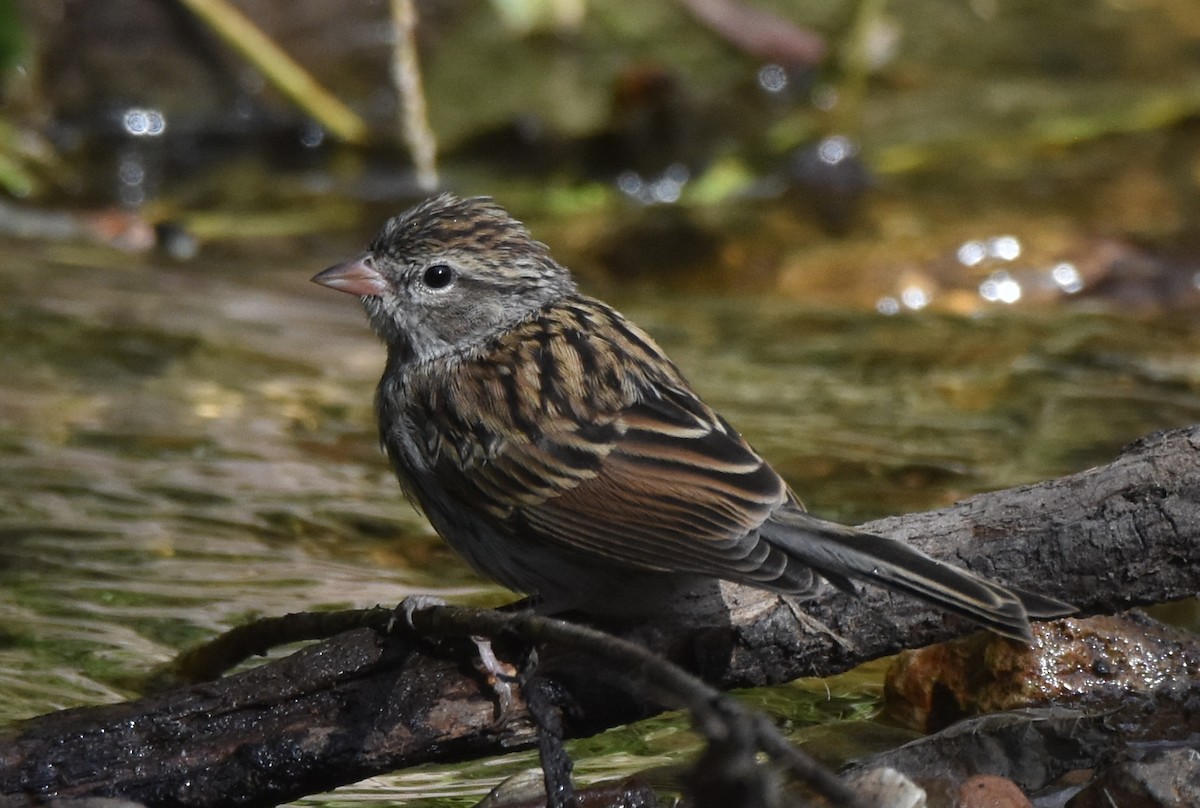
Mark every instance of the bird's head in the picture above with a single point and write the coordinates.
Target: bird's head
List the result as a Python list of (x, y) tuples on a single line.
[(448, 275)]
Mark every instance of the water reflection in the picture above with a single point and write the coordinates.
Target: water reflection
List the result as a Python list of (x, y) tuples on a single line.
[(773, 78), (140, 122), (1000, 287), (1067, 277), (664, 189)]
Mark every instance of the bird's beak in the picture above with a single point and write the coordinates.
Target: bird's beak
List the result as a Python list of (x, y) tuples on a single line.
[(357, 276)]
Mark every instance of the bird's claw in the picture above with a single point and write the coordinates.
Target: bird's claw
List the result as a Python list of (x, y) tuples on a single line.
[(501, 674), (410, 606)]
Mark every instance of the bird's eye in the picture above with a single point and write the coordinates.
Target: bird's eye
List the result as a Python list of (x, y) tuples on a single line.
[(438, 276)]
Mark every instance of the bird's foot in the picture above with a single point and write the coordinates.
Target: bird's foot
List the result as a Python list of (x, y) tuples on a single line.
[(410, 606), (807, 620), (502, 676)]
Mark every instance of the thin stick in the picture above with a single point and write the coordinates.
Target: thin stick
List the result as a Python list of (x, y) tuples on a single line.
[(280, 69), (712, 710), (406, 75)]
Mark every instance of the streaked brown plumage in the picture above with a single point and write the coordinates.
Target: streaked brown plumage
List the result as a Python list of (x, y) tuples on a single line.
[(553, 444)]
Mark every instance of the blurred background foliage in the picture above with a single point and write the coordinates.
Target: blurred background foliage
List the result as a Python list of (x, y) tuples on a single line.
[(850, 130), (562, 103)]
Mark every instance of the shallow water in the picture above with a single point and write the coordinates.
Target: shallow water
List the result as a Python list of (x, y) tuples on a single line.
[(186, 446)]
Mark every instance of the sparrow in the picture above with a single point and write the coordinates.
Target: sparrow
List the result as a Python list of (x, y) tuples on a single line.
[(553, 444)]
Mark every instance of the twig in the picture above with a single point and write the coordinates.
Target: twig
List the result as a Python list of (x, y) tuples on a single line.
[(542, 697), (280, 69), (718, 717), (221, 654), (759, 33), (406, 75)]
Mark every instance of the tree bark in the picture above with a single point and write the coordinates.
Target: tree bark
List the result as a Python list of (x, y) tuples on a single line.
[(363, 703)]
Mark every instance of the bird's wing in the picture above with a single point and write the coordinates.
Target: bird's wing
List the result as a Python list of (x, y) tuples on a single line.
[(594, 443), (677, 489)]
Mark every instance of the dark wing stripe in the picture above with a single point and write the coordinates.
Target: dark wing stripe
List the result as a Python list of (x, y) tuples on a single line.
[(584, 351), (701, 448), (548, 365), (682, 457), (647, 548), (513, 396), (650, 529), (737, 491), (540, 467), (638, 342), (695, 492), (641, 546), (661, 414)]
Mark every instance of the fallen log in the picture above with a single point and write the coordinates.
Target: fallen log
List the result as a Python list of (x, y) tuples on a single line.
[(366, 702)]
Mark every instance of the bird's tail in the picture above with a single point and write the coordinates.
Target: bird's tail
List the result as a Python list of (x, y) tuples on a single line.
[(840, 553)]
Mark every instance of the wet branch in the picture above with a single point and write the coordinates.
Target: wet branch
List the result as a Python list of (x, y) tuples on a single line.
[(367, 702)]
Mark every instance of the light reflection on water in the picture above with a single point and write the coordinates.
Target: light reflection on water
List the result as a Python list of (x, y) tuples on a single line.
[(183, 449)]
